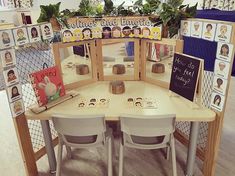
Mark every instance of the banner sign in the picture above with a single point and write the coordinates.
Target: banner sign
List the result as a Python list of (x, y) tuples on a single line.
[(110, 27)]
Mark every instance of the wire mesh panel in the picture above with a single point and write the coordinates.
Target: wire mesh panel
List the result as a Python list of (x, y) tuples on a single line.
[(29, 60), (184, 127)]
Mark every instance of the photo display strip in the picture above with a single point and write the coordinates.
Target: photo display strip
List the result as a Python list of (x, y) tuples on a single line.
[(207, 30), (25, 34), (11, 78), (80, 29)]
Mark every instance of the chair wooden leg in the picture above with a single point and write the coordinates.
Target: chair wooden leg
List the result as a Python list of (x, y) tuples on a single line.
[(110, 165), (120, 170), (173, 157), (59, 159), (69, 152)]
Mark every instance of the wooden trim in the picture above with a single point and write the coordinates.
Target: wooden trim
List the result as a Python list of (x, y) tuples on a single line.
[(56, 53), (160, 83), (99, 56), (136, 59), (119, 77), (78, 84), (40, 153), (25, 143)]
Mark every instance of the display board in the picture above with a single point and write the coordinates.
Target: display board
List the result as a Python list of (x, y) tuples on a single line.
[(185, 75), (79, 29)]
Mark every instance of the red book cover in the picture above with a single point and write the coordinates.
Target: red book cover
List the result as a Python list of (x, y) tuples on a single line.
[(47, 84)]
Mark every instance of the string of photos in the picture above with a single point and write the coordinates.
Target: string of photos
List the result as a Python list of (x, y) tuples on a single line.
[(9, 39)]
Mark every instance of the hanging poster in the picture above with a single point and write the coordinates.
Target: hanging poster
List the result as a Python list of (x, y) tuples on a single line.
[(185, 27), (21, 36), (196, 29), (6, 39), (34, 33), (47, 32), (8, 57), (224, 51), (223, 33), (208, 32), (110, 27)]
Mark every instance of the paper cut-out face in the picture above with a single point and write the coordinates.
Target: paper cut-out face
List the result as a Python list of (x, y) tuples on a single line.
[(138, 104), (34, 32), (77, 34), (106, 32), (96, 32), (67, 36), (156, 33), (222, 66), (5, 38), (145, 32), (8, 58), (14, 92), (81, 105), (224, 51), (185, 27), (223, 32), (11, 75), (126, 31), (17, 107), (196, 26), (47, 30), (136, 31), (20, 34), (217, 100), (208, 30), (219, 82), (86, 33), (116, 32)]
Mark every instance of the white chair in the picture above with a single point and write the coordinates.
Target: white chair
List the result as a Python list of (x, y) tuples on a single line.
[(147, 132), (81, 131)]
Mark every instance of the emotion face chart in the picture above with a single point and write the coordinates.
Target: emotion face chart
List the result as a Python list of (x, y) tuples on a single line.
[(110, 27), (221, 33), (6, 39)]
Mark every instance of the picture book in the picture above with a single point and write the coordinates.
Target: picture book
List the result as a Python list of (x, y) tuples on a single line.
[(48, 85)]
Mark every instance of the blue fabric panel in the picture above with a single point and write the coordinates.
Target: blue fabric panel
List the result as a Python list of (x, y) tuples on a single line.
[(210, 50), (203, 49)]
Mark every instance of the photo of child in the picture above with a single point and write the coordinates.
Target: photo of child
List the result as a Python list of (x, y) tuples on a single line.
[(224, 51), (34, 34), (87, 34), (67, 36), (223, 33), (126, 31), (47, 32), (208, 32), (136, 31), (11, 76), (196, 29), (145, 32), (219, 85), (14, 92), (6, 39), (106, 34), (116, 32), (8, 57), (185, 27), (217, 101), (17, 108), (222, 68), (20, 35)]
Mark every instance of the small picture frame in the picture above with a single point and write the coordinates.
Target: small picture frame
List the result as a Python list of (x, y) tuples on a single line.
[(220, 85), (34, 33), (185, 29), (17, 107), (21, 36), (221, 68), (47, 32), (224, 51), (208, 32), (14, 92), (8, 57), (196, 29), (11, 76), (217, 101), (223, 33), (6, 39)]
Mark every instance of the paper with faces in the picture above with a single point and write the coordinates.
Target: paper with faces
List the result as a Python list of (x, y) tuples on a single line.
[(93, 103), (220, 85), (6, 39), (224, 51), (34, 33), (221, 68), (217, 101), (14, 92), (11, 76), (185, 27), (8, 57), (139, 102), (47, 32), (223, 33), (208, 32), (21, 36), (17, 107), (196, 29)]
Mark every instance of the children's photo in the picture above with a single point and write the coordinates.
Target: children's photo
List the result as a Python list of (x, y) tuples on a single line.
[(221, 68), (8, 57), (219, 85), (11, 76), (208, 32), (224, 51), (14, 92), (21, 36), (47, 32), (34, 34), (196, 29), (6, 39), (217, 101), (223, 33), (185, 27), (17, 108)]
